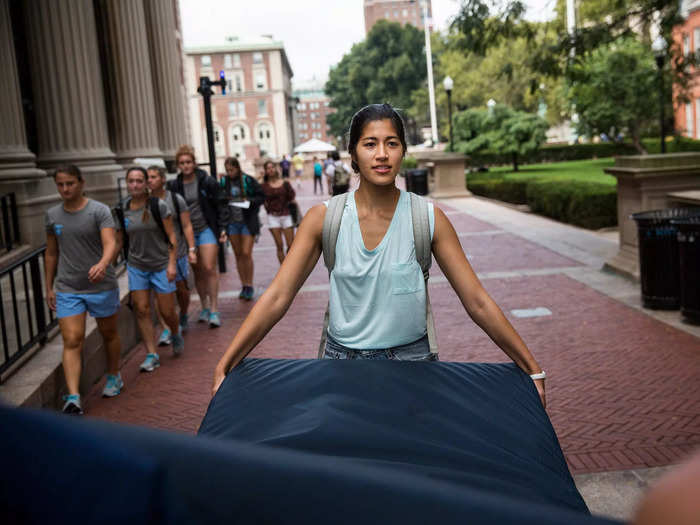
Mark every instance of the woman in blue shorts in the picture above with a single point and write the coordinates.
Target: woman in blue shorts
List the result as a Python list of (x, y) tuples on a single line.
[(80, 247), (245, 196), (378, 294), (151, 262)]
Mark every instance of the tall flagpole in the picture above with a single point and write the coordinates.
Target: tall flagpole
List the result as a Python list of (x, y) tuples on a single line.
[(429, 62)]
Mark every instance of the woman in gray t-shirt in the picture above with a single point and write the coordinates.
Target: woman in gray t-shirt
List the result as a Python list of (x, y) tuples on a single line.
[(151, 262), (80, 247)]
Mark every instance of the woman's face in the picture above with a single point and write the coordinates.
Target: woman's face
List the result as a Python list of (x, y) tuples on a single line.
[(186, 164), (271, 169), (379, 152), (68, 186), (155, 181), (136, 184), (232, 171)]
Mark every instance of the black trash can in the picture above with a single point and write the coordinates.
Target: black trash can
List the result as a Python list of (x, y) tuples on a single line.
[(417, 181), (689, 258), (658, 256), (407, 176)]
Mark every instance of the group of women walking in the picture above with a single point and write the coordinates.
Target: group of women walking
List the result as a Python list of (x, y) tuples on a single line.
[(163, 229)]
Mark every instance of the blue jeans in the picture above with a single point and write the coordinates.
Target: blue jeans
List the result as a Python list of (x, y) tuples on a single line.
[(416, 351)]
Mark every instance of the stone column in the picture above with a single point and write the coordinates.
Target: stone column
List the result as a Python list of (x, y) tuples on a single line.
[(130, 82), (16, 161), (166, 67)]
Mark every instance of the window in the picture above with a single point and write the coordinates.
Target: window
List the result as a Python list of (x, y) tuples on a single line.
[(405, 13), (262, 107), (326, 103), (696, 39), (697, 116), (396, 14), (236, 60), (686, 45), (241, 109), (232, 106), (265, 139), (257, 58), (239, 83), (260, 80), (206, 61), (237, 137), (228, 63), (387, 15), (689, 128)]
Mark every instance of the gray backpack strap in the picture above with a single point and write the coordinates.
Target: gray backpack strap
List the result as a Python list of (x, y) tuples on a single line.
[(331, 228), (423, 246)]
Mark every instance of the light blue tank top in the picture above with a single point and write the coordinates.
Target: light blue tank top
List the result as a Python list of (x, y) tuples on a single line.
[(377, 297)]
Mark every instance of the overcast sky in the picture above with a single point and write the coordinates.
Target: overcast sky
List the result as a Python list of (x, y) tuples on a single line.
[(316, 33)]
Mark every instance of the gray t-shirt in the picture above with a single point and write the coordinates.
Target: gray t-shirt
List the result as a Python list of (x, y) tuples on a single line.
[(181, 242), (80, 246), (199, 223), (148, 250), (235, 213)]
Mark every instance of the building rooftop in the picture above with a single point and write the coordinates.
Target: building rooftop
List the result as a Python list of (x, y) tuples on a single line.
[(237, 45)]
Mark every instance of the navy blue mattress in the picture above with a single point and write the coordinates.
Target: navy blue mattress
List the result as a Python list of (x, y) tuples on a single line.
[(306, 442)]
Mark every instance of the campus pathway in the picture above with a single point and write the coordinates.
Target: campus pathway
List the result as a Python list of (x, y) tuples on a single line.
[(623, 388)]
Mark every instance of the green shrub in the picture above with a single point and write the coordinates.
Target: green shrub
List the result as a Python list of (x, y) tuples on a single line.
[(587, 204), (677, 145), (513, 191), (409, 163), (557, 153)]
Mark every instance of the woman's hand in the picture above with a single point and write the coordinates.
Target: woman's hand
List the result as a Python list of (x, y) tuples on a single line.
[(222, 237), (171, 272), (51, 299), (219, 376), (97, 272), (192, 256), (539, 385)]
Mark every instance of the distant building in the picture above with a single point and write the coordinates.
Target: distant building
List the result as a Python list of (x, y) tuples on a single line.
[(403, 11), (313, 106), (687, 36), (255, 118)]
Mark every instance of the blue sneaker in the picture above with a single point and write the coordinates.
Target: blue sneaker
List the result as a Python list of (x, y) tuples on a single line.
[(164, 338), (214, 320), (151, 362), (178, 344), (72, 405), (114, 385), (204, 316), (250, 292), (183, 323)]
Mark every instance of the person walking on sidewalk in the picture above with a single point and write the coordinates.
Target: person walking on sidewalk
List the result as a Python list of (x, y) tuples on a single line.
[(284, 166), (208, 214), (80, 278), (245, 196), (186, 251), (279, 194), (151, 263), (378, 293), (318, 176), (341, 175), (298, 163)]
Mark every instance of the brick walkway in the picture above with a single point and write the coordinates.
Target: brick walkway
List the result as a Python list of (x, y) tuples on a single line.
[(623, 392)]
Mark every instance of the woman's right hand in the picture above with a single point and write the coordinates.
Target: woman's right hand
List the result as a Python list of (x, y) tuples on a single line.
[(219, 376), (51, 299)]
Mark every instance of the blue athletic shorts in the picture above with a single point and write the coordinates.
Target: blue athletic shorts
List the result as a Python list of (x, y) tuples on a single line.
[(183, 269), (206, 236), (100, 304), (142, 280), (237, 228)]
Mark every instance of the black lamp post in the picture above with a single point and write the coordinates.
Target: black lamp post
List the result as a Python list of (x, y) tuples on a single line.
[(448, 84), (659, 48)]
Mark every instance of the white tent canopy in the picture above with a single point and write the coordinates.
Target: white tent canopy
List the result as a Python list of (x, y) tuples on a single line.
[(314, 146)]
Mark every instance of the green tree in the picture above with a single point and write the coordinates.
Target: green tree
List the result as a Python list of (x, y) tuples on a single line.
[(500, 129), (613, 91), (386, 67)]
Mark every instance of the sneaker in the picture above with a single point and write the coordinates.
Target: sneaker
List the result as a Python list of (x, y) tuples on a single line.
[(183, 323), (214, 320), (242, 294), (178, 344), (113, 386), (72, 405), (164, 338), (151, 362), (204, 316), (249, 293)]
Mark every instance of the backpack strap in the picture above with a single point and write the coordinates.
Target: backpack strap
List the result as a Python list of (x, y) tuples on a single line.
[(155, 211), (119, 212), (421, 239), (173, 196), (331, 228)]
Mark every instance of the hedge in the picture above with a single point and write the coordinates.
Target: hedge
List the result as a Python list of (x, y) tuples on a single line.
[(588, 204)]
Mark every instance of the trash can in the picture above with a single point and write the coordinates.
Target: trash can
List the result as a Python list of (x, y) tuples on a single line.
[(407, 178), (417, 181), (689, 258), (658, 256)]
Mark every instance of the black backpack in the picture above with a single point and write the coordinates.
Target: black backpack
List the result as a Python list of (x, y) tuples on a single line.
[(155, 211)]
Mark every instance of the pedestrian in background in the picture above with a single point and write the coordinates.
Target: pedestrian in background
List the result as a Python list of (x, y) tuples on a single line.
[(80, 278), (279, 194), (186, 251), (298, 163), (318, 176), (284, 165), (245, 196), (341, 175), (329, 172), (151, 263), (209, 215)]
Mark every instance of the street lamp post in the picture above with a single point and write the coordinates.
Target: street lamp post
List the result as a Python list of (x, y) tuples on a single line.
[(429, 63), (491, 104), (448, 84), (659, 49)]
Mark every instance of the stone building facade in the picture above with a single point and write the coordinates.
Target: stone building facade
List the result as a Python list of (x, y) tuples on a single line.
[(255, 118), (96, 83), (402, 11), (687, 36)]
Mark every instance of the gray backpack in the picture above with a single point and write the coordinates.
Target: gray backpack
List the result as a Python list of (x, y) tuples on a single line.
[(421, 239)]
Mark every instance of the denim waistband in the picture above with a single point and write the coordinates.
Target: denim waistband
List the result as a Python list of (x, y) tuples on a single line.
[(418, 350)]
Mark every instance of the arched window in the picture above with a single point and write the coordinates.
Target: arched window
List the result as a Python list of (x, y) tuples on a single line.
[(238, 137), (265, 138)]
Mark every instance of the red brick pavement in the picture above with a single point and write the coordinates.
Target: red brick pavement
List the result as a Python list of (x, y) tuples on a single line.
[(623, 388)]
